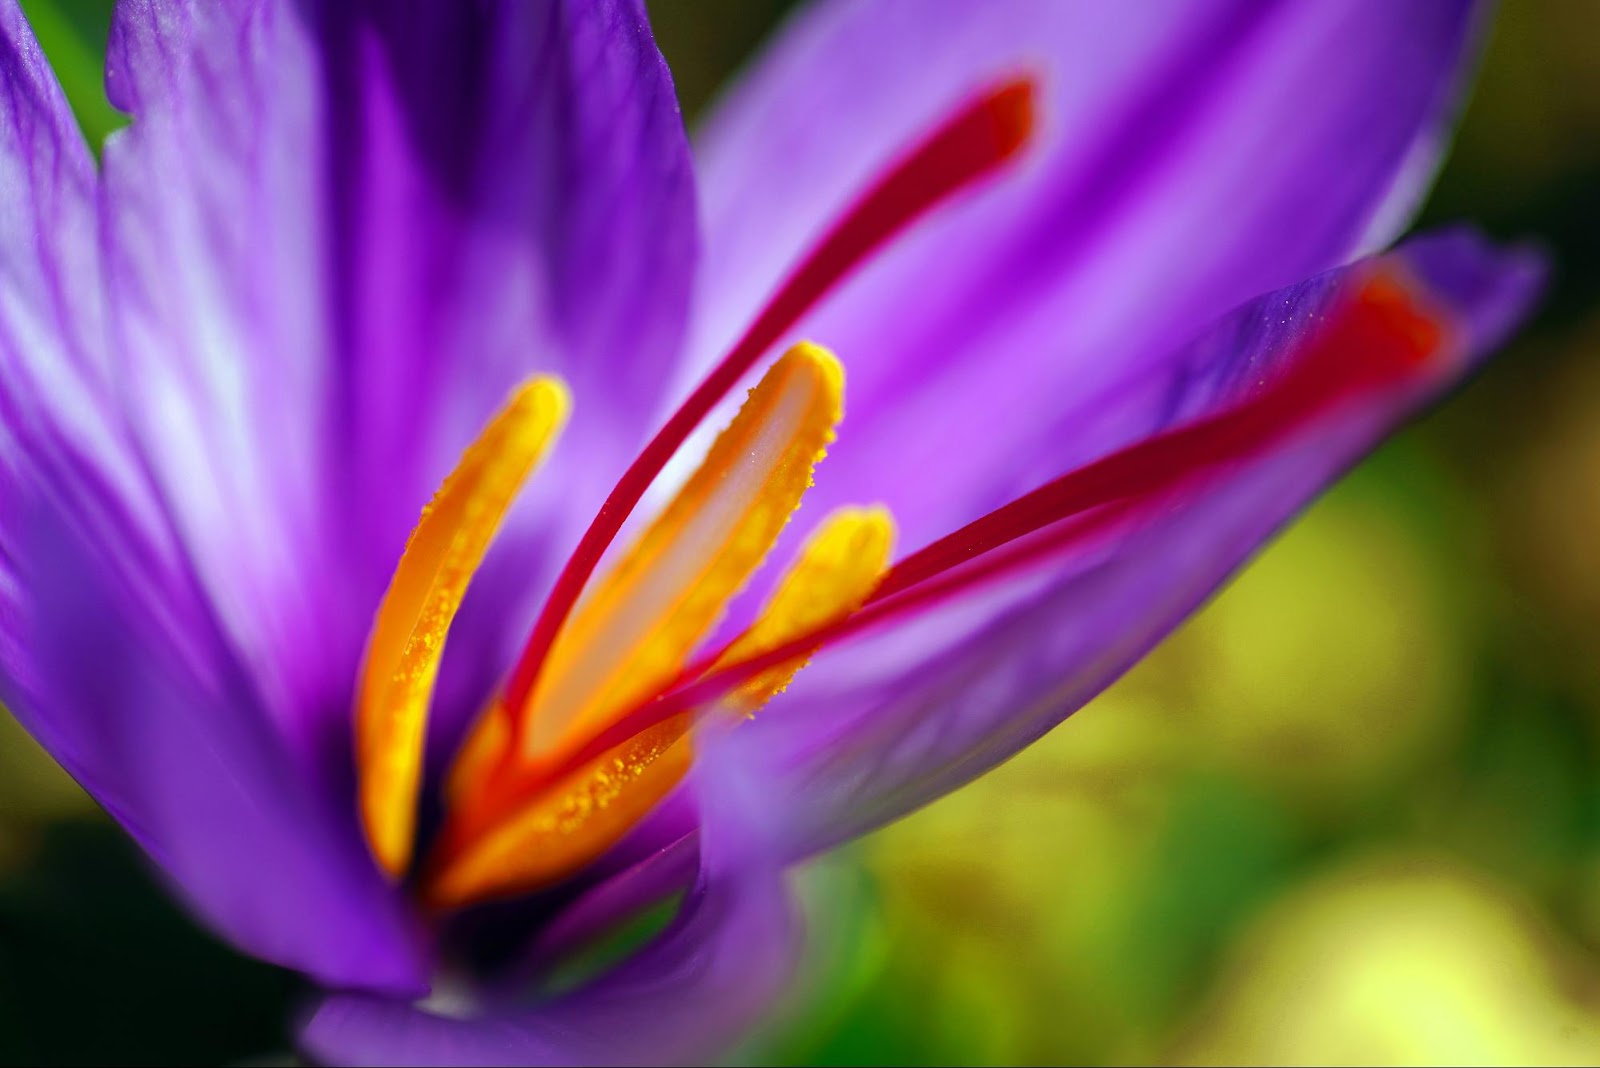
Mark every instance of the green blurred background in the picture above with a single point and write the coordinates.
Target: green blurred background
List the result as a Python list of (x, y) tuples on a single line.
[(1351, 812)]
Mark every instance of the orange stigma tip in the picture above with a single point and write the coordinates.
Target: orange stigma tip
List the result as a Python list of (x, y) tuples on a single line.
[(1416, 330), (1013, 109)]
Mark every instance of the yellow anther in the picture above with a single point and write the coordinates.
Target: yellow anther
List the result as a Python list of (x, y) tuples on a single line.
[(408, 634), (637, 627), (833, 575), (479, 757), (632, 635), (575, 819), (570, 822)]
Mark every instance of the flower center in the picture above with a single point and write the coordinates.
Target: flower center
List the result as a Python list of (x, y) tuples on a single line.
[(1387, 334), (593, 726), (522, 812), (517, 821)]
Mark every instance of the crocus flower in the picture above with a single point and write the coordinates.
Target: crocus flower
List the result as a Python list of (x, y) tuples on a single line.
[(1117, 265)]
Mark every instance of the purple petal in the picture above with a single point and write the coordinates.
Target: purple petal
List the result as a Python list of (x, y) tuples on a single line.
[(1189, 157), (617, 896), (142, 703), (338, 235), (286, 257), (684, 998), (213, 285), (862, 752), (106, 654)]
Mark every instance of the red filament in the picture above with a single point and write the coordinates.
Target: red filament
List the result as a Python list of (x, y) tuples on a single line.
[(970, 145), (1379, 335), (1382, 336)]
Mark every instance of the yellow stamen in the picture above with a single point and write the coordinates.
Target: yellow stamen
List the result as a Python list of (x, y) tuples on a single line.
[(478, 758), (635, 632), (636, 629), (834, 573), (407, 639), (573, 820), (569, 823)]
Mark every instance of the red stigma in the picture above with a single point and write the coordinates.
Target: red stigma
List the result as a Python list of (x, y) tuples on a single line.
[(1383, 335), (970, 145)]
